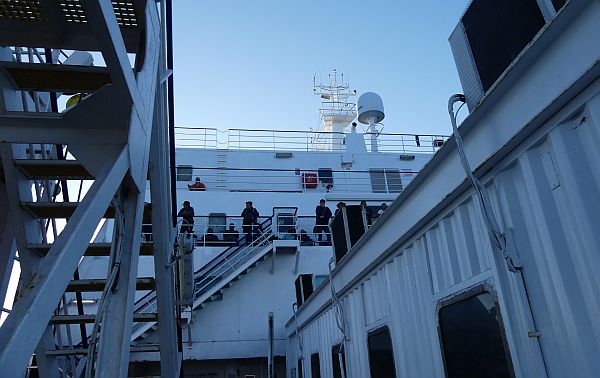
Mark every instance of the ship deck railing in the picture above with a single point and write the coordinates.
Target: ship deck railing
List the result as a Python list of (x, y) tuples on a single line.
[(376, 180), (292, 227), (294, 140)]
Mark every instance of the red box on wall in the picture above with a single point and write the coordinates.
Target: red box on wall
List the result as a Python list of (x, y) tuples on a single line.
[(309, 180)]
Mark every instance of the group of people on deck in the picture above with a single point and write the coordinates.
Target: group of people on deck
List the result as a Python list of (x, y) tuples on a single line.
[(252, 228)]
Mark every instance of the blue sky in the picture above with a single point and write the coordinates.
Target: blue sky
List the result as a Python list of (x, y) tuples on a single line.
[(250, 64)]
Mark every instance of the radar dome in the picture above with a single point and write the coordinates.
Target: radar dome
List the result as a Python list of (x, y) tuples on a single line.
[(370, 108)]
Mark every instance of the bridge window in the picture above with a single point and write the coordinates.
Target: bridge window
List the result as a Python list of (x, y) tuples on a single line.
[(385, 180), (381, 354), (473, 340), (184, 173)]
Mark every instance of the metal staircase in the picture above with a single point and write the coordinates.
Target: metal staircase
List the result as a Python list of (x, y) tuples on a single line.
[(215, 277), (115, 138)]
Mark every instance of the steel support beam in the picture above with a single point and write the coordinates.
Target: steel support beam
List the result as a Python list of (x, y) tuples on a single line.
[(163, 232), (30, 316), (117, 320)]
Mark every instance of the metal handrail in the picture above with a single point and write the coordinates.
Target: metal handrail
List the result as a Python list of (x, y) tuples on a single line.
[(229, 251), (218, 272), (295, 140)]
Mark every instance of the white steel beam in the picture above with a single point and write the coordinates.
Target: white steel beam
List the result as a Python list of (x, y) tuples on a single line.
[(117, 320), (28, 320), (102, 20), (162, 233)]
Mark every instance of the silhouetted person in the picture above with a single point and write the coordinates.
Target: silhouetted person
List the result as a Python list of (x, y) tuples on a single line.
[(338, 208), (305, 240), (382, 209), (290, 235), (210, 238), (368, 214), (250, 221), (322, 217), (231, 235), (187, 213)]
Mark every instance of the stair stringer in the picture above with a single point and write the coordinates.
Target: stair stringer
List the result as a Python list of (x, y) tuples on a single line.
[(222, 285)]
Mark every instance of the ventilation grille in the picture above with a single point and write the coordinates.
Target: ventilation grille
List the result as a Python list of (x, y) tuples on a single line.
[(21, 10), (74, 12)]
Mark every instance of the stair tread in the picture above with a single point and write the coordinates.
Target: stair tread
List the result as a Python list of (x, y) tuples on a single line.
[(47, 168), (61, 25), (97, 284), (57, 77), (93, 249), (43, 210), (83, 351), (77, 319)]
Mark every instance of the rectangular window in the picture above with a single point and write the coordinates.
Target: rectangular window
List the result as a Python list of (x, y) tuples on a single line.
[(335, 359), (217, 221), (184, 173), (473, 341), (315, 366), (386, 180), (394, 182), (378, 180), (325, 175), (381, 354)]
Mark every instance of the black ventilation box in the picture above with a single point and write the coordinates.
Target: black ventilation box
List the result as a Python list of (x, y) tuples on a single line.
[(304, 288), (490, 36), (346, 229)]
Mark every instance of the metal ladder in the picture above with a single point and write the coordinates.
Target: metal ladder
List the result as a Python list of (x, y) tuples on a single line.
[(111, 136)]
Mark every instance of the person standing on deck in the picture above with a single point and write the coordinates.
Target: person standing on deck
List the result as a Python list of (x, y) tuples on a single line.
[(322, 217), (250, 221), (187, 213)]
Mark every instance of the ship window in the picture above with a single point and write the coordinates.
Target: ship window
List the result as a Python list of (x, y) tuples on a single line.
[(386, 180), (325, 175), (335, 359), (315, 366), (381, 353), (300, 372), (472, 338), (184, 173), (218, 222)]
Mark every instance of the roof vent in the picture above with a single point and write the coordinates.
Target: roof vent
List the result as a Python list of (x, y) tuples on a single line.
[(407, 157), (488, 38), (283, 155)]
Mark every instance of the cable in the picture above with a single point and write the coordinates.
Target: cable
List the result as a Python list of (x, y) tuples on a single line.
[(497, 236), (115, 256), (339, 317)]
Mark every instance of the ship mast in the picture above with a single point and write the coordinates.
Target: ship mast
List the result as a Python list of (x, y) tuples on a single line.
[(336, 111)]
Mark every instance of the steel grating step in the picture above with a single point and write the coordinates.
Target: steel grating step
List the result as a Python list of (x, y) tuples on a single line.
[(80, 319), (42, 210), (94, 249), (97, 284), (83, 351), (53, 169), (57, 77)]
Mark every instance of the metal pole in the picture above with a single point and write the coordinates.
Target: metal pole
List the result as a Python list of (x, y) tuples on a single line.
[(271, 370)]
